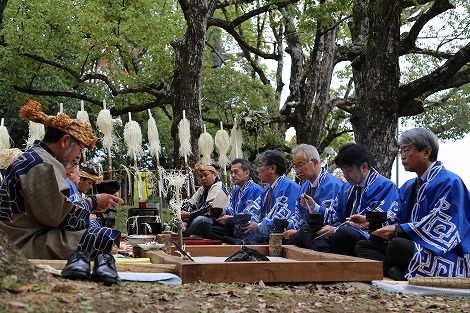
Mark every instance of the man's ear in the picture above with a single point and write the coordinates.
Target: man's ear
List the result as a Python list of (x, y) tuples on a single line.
[(427, 152), (64, 140)]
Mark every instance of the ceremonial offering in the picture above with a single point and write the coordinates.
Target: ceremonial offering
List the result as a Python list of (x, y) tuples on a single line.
[(136, 240)]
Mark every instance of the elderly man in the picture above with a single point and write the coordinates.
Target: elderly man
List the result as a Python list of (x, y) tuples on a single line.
[(365, 190), (316, 193), (213, 192), (278, 197), (432, 236), (35, 210)]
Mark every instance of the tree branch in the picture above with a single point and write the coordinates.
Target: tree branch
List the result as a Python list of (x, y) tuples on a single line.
[(152, 90), (409, 41), (240, 40), (160, 102), (443, 77)]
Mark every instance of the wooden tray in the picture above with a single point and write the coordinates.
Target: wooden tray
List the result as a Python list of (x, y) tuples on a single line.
[(304, 265)]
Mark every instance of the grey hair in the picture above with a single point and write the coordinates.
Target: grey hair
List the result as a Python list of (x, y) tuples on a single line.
[(310, 152), (421, 138)]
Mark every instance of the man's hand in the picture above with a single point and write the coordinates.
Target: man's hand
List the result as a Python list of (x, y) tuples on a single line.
[(223, 218), (327, 231), (250, 227), (386, 232), (289, 233), (358, 221), (106, 201), (307, 202), (185, 215)]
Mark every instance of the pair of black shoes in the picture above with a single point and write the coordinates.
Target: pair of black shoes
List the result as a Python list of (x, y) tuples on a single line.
[(104, 268)]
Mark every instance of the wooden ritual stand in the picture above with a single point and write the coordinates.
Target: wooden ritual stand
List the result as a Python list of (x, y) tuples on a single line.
[(303, 265)]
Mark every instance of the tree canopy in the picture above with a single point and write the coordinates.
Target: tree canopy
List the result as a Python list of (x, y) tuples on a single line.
[(355, 66)]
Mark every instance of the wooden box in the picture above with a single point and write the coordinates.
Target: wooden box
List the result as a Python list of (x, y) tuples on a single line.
[(301, 265)]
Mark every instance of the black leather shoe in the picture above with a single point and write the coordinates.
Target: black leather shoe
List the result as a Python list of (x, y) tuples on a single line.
[(104, 269), (396, 273), (78, 266)]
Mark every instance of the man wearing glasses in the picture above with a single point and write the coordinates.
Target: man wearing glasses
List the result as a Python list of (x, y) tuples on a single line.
[(365, 190), (316, 193), (432, 237), (35, 209), (278, 197)]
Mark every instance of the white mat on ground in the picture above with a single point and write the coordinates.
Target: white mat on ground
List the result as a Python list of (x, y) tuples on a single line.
[(164, 278), (421, 290)]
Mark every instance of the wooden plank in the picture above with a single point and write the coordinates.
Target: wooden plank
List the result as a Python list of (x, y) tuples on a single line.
[(222, 250), (121, 267), (309, 266)]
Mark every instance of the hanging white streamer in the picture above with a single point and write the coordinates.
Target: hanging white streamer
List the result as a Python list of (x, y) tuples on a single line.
[(105, 125), (133, 139), (83, 116), (184, 134), (206, 147), (4, 138), (36, 132), (176, 181), (129, 181), (138, 177), (236, 139), (222, 143), (154, 141)]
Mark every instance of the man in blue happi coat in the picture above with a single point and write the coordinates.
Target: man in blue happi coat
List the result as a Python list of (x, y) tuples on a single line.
[(278, 197), (316, 193), (245, 199), (365, 190), (432, 236)]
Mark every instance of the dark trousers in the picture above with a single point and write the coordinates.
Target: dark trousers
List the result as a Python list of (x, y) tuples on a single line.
[(345, 239), (306, 239), (396, 252)]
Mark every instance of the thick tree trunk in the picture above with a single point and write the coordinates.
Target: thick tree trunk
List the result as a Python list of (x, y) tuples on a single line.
[(308, 104), (186, 86), (376, 76)]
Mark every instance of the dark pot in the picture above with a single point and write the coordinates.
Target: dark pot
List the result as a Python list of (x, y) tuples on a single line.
[(243, 219), (314, 219), (215, 212), (136, 217), (152, 228), (376, 219), (280, 224)]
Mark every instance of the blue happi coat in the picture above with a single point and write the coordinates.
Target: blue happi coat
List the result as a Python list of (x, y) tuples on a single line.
[(438, 224), (325, 193), (379, 194), (282, 205), (74, 193), (246, 200)]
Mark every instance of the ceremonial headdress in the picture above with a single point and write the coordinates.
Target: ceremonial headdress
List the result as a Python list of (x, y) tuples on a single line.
[(79, 130), (198, 167), (90, 173), (7, 156)]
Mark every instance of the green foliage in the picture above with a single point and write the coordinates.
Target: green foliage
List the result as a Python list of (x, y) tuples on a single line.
[(229, 94), (128, 40), (449, 118)]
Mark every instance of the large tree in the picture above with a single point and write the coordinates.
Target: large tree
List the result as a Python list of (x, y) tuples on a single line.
[(137, 55), (122, 52), (377, 40)]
